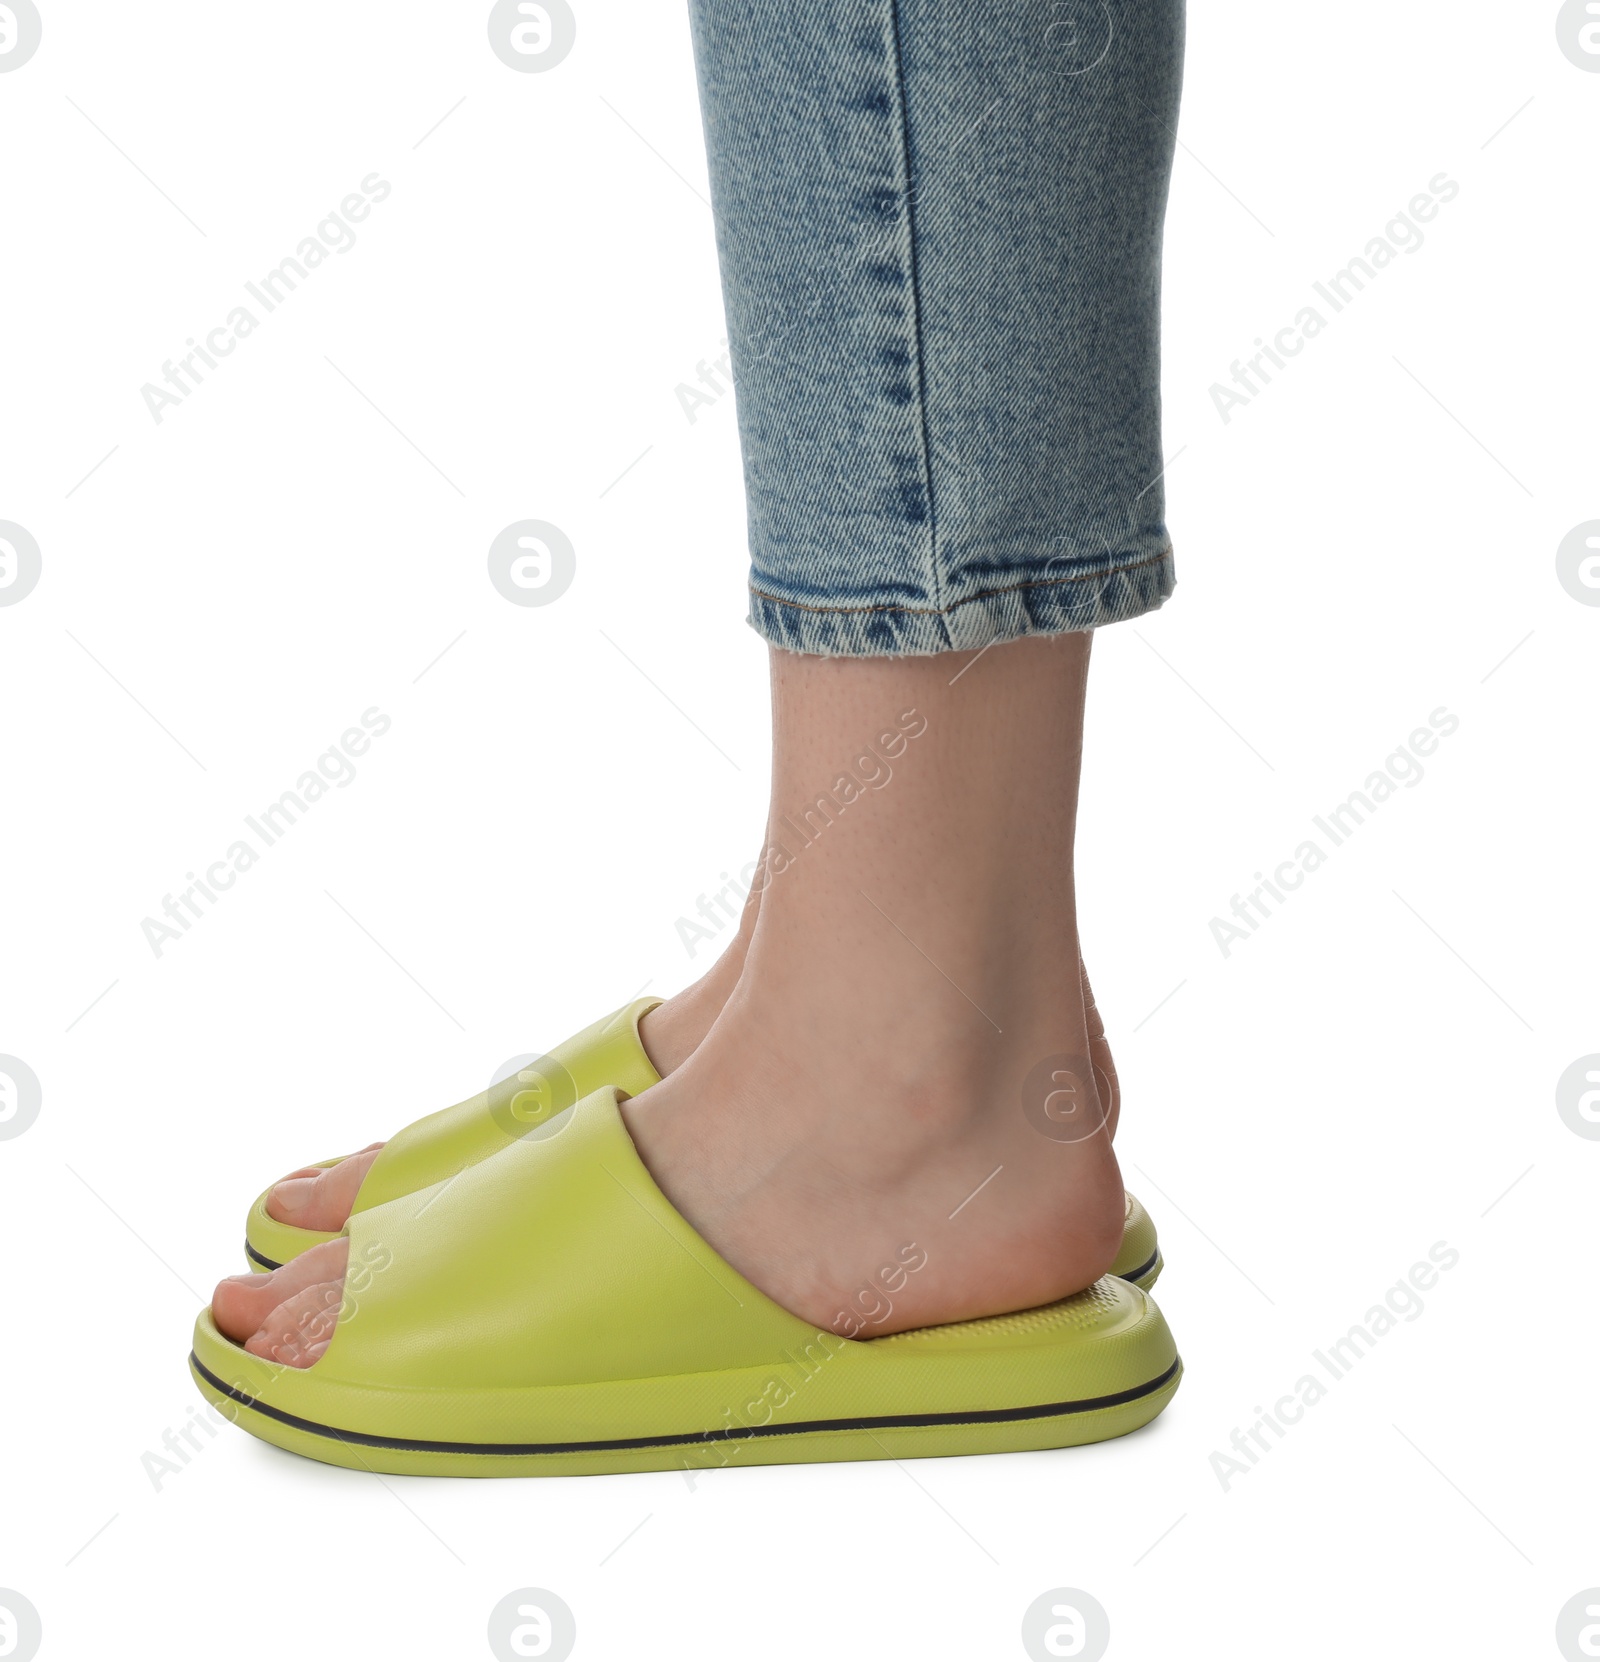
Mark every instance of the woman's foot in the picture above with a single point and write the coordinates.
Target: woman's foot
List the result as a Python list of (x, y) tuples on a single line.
[(896, 1121), (321, 1197), (902, 1116)]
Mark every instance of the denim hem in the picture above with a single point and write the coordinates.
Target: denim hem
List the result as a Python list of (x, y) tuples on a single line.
[(1050, 606)]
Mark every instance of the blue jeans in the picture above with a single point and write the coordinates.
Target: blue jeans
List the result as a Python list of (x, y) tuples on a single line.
[(939, 225)]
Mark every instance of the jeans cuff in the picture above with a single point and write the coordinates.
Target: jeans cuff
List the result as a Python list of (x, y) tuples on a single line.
[(1047, 606)]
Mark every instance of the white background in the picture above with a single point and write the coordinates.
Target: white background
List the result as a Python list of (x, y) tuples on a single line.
[(228, 590)]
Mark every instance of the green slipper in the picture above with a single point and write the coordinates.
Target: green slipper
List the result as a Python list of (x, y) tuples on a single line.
[(550, 1312), (440, 1145)]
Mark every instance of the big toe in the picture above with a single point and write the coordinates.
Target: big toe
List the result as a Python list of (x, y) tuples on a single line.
[(242, 1304), (320, 1197), (298, 1331)]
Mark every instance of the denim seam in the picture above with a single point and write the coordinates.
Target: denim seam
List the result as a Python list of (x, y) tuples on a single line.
[(903, 126), (967, 600)]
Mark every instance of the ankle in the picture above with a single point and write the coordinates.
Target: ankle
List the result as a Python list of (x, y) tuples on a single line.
[(673, 1031)]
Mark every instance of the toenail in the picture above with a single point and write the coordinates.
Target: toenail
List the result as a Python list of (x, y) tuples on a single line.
[(294, 1194)]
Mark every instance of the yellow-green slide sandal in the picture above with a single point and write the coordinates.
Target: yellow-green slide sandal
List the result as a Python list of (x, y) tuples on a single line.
[(548, 1311), (438, 1146)]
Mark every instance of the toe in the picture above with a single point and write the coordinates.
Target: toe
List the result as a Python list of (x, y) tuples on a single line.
[(320, 1197), (298, 1331), (242, 1303)]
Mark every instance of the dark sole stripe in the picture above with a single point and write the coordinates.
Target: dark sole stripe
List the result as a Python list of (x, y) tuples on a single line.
[(273, 1264), (876, 1422)]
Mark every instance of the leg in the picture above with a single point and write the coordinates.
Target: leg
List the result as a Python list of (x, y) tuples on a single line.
[(939, 229), (914, 968)]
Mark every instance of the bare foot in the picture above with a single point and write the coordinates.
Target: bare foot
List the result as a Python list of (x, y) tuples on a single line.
[(896, 1120), (902, 1116)]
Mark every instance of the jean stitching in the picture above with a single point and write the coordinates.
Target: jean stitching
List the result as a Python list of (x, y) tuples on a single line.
[(971, 599), (902, 122)]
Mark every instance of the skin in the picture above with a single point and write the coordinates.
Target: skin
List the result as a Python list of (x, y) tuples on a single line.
[(855, 1085)]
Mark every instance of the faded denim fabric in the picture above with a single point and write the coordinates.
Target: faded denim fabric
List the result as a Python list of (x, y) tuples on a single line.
[(939, 226)]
